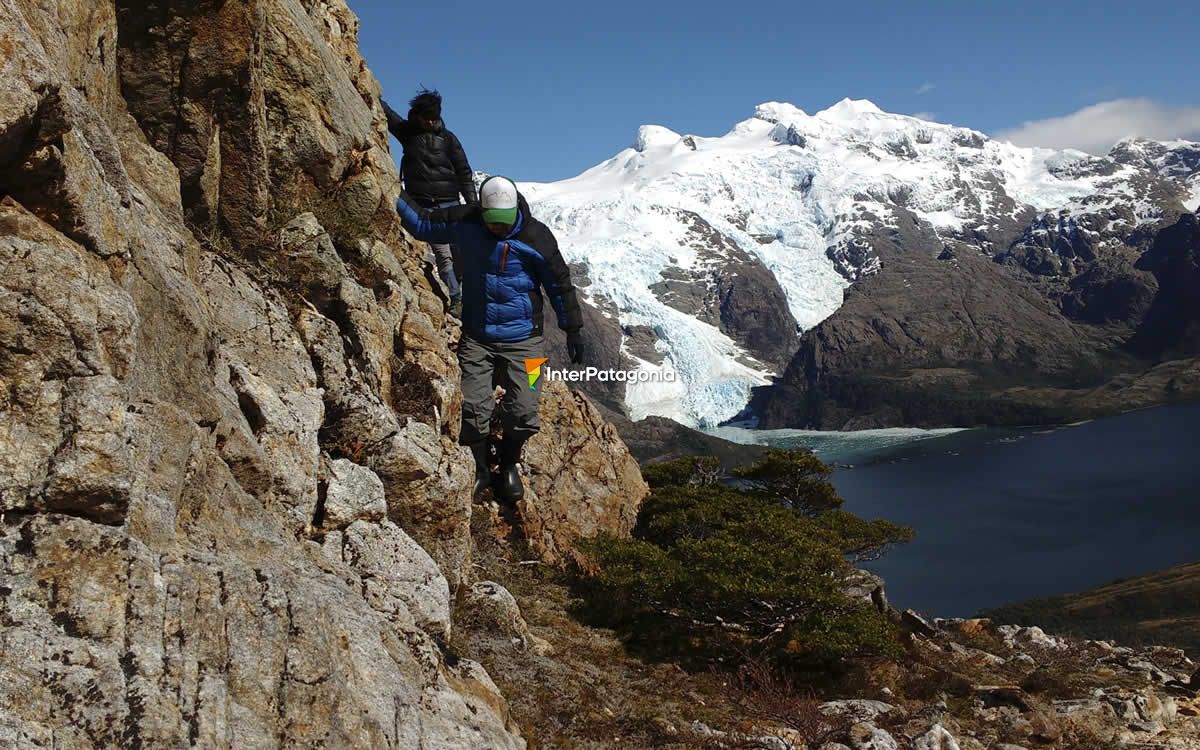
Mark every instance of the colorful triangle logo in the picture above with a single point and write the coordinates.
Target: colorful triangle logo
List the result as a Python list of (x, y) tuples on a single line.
[(533, 368)]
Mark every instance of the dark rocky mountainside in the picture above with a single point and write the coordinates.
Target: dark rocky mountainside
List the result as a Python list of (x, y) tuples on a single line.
[(955, 337), (1169, 327), (1053, 317), (729, 289)]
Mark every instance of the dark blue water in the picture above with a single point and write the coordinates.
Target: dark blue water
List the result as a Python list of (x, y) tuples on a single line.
[(1007, 515)]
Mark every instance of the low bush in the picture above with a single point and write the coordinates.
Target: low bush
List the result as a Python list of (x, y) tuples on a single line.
[(752, 565)]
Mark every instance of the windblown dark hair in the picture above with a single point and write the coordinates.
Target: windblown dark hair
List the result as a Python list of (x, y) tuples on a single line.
[(427, 102)]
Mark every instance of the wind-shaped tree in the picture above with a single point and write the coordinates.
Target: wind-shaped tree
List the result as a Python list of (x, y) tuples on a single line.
[(753, 563)]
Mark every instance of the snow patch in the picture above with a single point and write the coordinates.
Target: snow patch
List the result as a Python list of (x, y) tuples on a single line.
[(778, 112), (1192, 202)]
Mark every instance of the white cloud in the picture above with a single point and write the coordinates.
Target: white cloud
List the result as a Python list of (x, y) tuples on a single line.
[(925, 88), (1096, 128), (930, 116)]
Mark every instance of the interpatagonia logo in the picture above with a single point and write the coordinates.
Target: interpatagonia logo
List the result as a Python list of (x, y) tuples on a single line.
[(609, 374), (533, 368)]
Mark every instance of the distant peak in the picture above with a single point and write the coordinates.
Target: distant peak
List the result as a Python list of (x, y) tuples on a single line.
[(1132, 141), (655, 136), (850, 109), (777, 112), (1148, 148)]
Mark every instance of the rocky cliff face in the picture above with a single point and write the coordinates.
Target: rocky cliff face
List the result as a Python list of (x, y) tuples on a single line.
[(234, 510), (1169, 326)]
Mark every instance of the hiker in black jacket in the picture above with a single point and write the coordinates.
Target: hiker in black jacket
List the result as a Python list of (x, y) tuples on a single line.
[(435, 171)]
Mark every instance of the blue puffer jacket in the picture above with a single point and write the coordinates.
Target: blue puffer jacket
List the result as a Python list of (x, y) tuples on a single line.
[(502, 277)]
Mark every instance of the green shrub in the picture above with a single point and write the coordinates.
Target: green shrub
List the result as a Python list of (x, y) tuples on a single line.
[(862, 540), (794, 478), (691, 470), (753, 567)]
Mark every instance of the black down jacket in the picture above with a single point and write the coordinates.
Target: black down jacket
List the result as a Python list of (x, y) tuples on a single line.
[(434, 167)]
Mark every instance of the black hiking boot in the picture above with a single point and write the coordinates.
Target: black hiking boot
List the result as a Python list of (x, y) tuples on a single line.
[(483, 470), (509, 487)]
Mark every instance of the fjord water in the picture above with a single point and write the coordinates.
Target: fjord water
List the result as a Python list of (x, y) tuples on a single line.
[(1005, 515)]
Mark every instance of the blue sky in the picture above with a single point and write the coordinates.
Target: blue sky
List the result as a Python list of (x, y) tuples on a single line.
[(543, 90)]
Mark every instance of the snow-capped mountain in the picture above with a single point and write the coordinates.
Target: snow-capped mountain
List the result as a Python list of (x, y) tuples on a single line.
[(691, 238)]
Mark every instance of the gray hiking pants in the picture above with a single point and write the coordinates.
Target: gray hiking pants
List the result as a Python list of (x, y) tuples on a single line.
[(443, 254), (498, 363)]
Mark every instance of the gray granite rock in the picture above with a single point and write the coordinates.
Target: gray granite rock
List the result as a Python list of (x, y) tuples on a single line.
[(353, 493)]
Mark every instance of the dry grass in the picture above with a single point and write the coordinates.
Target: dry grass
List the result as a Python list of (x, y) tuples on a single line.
[(764, 694), (589, 694)]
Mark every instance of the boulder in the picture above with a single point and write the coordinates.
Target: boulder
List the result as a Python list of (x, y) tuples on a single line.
[(937, 738), (491, 606), (867, 736), (1016, 637), (582, 479), (353, 493), (859, 708)]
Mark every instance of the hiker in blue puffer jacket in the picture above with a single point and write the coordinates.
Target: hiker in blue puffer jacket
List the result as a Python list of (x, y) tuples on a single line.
[(508, 258)]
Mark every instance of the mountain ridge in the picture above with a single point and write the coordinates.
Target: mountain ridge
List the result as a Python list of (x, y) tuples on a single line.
[(1161, 607), (823, 202)]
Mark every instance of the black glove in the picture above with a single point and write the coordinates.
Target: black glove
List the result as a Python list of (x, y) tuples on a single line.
[(575, 347)]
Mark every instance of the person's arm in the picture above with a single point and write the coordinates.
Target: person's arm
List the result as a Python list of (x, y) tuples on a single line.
[(437, 225), (555, 277), (397, 125), (462, 169)]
